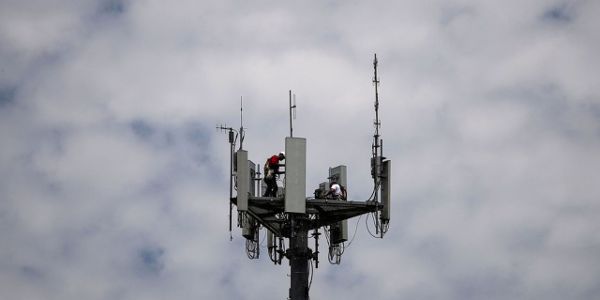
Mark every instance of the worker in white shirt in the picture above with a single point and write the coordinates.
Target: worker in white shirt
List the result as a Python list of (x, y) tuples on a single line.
[(336, 191)]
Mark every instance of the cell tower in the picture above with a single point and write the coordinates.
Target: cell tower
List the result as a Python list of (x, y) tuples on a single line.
[(292, 215)]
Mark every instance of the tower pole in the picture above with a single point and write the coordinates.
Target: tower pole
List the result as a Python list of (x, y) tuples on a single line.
[(298, 255)]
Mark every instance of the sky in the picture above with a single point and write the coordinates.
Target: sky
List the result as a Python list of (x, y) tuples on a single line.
[(114, 180)]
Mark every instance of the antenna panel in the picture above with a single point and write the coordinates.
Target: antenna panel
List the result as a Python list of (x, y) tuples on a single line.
[(322, 190), (295, 175), (339, 230), (247, 228), (339, 175), (243, 179), (252, 175), (386, 189)]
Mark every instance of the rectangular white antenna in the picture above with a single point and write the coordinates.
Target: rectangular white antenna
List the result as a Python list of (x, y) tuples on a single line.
[(243, 180), (386, 189), (295, 175)]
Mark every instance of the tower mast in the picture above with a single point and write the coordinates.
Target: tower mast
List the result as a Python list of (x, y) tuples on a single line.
[(292, 215), (376, 147)]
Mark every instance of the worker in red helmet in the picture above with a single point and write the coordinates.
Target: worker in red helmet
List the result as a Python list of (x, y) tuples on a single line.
[(271, 171)]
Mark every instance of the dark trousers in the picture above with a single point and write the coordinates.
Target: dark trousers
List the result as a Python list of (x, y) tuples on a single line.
[(271, 187)]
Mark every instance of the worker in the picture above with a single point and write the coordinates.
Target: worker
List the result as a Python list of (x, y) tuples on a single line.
[(336, 191), (271, 171)]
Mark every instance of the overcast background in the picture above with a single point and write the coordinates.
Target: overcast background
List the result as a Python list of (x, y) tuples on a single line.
[(113, 179)]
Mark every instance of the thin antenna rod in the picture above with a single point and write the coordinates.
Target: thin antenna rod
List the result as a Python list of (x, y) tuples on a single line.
[(241, 121), (241, 110), (377, 123), (232, 142), (292, 108)]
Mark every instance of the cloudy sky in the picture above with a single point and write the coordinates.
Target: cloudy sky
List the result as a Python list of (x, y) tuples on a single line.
[(113, 179)]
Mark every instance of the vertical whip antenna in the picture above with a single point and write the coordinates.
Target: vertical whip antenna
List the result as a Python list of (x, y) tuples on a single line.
[(292, 113), (233, 135), (242, 133)]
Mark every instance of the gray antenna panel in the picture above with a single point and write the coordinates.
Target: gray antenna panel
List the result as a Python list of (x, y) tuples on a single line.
[(247, 230), (295, 175), (386, 189), (252, 175), (339, 230), (339, 175), (243, 179)]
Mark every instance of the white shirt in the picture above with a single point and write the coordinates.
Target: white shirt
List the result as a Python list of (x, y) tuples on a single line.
[(336, 189)]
